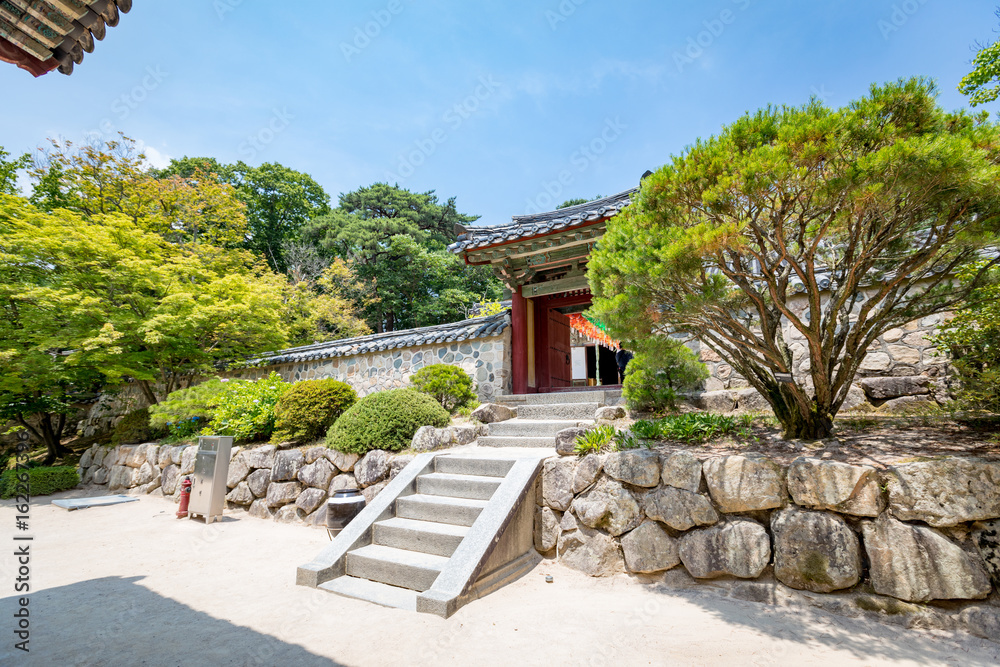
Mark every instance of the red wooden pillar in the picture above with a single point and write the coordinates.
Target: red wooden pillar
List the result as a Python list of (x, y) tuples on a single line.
[(519, 342)]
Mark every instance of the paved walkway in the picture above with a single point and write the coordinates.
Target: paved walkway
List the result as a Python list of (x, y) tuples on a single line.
[(131, 585)]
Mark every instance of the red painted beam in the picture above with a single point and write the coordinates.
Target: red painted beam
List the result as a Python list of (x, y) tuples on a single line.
[(519, 343)]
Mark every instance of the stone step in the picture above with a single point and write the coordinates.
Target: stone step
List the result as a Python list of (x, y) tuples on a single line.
[(533, 428), (516, 441), (469, 465), (396, 567), (457, 511), (557, 397), (372, 591), (429, 537), (457, 486), (560, 411)]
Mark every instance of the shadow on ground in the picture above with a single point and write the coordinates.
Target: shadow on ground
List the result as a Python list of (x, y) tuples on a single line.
[(118, 621)]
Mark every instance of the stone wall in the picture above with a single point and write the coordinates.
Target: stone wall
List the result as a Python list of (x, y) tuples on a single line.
[(897, 539)]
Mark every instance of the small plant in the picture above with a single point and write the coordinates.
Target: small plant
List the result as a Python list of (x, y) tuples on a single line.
[(627, 440), (656, 373), (308, 410), (186, 412), (385, 420), (647, 430), (245, 410), (133, 427), (41, 481), (448, 385), (597, 440), (693, 427)]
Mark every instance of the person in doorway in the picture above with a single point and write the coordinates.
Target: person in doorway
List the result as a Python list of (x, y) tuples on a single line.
[(622, 357)]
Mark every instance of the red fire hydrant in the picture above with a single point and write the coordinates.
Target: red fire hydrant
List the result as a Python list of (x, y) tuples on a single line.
[(182, 511)]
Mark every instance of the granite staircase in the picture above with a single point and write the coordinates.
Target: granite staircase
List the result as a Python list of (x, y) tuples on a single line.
[(539, 417)]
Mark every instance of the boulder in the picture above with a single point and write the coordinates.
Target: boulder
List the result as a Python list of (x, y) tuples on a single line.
[(100, 476), (986, 537), (88, 475), (745, 483), (981, 620), (122, 454), (587, 471), (557, 483), (122, 477), (342, 481), (287, 465), (831, 485), (917, 563), (398, 463), (137, 455), (282, 493), (166, 456), (310, 499), (906, 405), (466, 435), (815, 551), (86, 458), (187, 459), (369, 492), (372, 468), (608, 506), (343, 462), (592, 552), (856, 398), (566, 439), (317, 474), (314, 453), (681, 470), (649, 548), (261, 457), (638, 467), (491, 413), (679, 509), (750, 400), (318, 518), (715, 401), (241, 495), (145, 474), (259, 509), (97, 458), (884, 388), (546, 529), (177, 455), (739, 548), (429, 438), (238, 470), (258, 482), (610, 413), (945, 492), (289, 514)]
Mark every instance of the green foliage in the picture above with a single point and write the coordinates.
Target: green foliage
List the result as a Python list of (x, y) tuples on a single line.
[(859, 208), (41, 481), (448, 385), (982, 84), (654, 377), (318, 307), (186, 412), (596, 441), (385, 420), (245, 409), (692, 427), (133, 428), (307, 410), (8, 171)]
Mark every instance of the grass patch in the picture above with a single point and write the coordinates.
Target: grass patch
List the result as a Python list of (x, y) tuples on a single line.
[(694, 427)]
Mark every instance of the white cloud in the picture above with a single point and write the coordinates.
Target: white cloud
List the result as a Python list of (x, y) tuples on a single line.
[(153, 156)]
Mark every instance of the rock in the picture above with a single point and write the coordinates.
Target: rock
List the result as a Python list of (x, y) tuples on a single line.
[(608, 506), (681, 470), (187, 459), (318, 518), (177, 455), (145, 474), (740, 548), (88, 475), (815, 551), (855, 398), (166, 456), (259, 509), (310, 499), (282, 493), (289, 514), (831, 485), (287, 465), (491, 413), (715, 401), (137, 456), (369, 492), (649, 548), (122, 477), (882, 388), (610, 413), (343, 481), (343, 462), (428, 438), (876, 361), (566, 439), (590, 551), (981, 621), (100, 476), (86, 458), (122, 453), (986, 537), (464, 435), (906, 404), (546, 529), (634, 466), (97, 458), (745, 483), (679, 509), (557, 483), (241, 495), (238, 471), (398, 463), (750, 400), (258, 482), (317, 474), (917, 563), (314, 453), (945, 492), (587, 471), (372, 468), (261, 457)]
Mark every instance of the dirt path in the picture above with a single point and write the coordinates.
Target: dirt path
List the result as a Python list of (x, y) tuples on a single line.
[(131, 585)]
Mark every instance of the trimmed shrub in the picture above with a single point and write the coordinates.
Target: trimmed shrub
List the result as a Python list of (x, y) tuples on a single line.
[(653, 378), (186, 412), (134, 427), (245, 410), (307, 410), (448, 385), (385, 420), (40, 481)]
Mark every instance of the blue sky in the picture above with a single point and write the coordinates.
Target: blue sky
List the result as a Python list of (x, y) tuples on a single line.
[(510, 106)]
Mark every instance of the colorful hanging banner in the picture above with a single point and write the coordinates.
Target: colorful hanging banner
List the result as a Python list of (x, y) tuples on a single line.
[(592, 331)]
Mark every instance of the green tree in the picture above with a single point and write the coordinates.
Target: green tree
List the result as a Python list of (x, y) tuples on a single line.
[(868, 212), (575, 202), (9, 170), (982, 84)]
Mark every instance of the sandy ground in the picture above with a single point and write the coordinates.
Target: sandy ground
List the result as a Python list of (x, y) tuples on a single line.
[(132, 585)]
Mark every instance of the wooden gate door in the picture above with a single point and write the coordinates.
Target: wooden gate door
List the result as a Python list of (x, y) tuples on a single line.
[(560, 358)]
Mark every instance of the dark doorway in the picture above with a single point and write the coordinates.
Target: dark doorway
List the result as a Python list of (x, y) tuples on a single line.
[(608, 368)]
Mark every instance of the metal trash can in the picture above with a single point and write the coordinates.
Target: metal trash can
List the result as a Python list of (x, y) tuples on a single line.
[(211, 467)]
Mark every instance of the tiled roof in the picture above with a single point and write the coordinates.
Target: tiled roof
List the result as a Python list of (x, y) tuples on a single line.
[(42, 35), (454, 332), (523, 226)]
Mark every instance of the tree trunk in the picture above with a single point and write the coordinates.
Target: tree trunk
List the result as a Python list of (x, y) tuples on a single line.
[(815, 426), (49, 434)]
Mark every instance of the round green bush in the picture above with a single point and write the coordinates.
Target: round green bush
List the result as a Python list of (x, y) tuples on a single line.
[(133, 428), (448, 385), (385, 420), (41, 481), (307, 410), (245, 410)]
